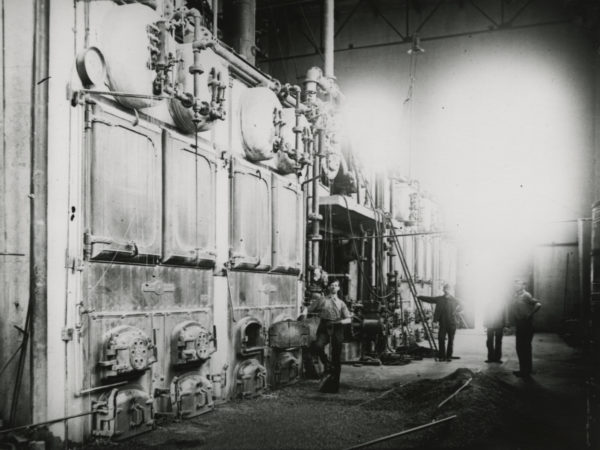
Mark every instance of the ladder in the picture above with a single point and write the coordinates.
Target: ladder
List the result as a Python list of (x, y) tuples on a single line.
[(407, 274)]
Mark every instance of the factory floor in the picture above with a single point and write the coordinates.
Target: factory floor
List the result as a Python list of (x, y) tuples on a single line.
[(497, 411)]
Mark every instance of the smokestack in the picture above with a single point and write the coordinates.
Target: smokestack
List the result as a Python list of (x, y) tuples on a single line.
[(328, 33), (240, 30)]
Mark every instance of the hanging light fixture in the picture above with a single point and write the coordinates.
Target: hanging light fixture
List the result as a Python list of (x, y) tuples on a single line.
[(415, 48)]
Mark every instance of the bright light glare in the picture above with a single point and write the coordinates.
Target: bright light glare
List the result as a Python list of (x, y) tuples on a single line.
[(507, 156), (502, 140), (374, 125)]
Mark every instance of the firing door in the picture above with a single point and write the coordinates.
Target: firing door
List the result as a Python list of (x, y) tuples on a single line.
[(191, 343), (127, 350)]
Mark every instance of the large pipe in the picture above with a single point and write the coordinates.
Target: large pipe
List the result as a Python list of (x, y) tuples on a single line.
[(244, 69), (241, 30), (215, 22), (328, 33)]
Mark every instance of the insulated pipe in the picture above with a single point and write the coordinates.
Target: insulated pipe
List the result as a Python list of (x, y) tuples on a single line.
[(328, 34), (244, 69)]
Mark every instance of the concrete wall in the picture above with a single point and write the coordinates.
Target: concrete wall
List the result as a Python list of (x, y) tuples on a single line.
[(15, 178)]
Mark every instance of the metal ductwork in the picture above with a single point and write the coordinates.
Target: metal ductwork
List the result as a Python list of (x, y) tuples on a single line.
[(240, 31)]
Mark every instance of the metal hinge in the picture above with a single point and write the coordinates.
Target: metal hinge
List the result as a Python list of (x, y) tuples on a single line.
[(66, 334)]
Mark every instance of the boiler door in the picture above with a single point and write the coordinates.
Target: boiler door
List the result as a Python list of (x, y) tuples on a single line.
[(251, 378), (123, 413)]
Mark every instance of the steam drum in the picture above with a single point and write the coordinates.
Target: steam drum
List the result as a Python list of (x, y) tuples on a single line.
[(259, 110), (124, 41), (184, 81)]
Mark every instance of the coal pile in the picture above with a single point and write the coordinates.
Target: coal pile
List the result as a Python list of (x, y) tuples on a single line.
[(490, 415)]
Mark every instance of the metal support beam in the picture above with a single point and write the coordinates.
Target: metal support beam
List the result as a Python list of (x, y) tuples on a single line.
[(348, 17), (483, 13), (429, 16), (423, 39), (519, 12), (375, 7), (311, 36)]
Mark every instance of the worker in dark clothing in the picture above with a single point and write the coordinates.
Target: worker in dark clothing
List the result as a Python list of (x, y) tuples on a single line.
[(445, 313), (333, 313), (523, 307), (316, 288), (495, 322)]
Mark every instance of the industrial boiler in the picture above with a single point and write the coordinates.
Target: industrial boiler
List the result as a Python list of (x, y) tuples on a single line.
[(164, 203)]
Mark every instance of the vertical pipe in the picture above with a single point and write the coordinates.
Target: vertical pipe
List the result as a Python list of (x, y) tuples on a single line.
[(328, 34), (359, 280), (373, 266), (316, 225), (307, 204), (196, 69)]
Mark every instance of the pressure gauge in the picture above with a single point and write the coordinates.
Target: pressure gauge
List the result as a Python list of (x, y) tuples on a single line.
[(91, 67)]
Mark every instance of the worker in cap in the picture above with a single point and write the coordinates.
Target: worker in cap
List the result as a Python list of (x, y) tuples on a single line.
[(333, 314), (446, 309), (523, 307)]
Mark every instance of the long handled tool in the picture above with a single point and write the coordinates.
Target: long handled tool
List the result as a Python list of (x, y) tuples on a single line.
[(455, 393), (402, 433)]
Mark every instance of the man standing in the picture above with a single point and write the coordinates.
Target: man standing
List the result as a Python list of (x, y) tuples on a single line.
[(494, 322), (524, 306), (333, 313), (445, 313)]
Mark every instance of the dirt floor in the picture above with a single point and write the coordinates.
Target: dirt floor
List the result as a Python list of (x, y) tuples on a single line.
[(495, 411)]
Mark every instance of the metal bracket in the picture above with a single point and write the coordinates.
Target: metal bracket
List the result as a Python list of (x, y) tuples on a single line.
[(157, 287), (66, 334)]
